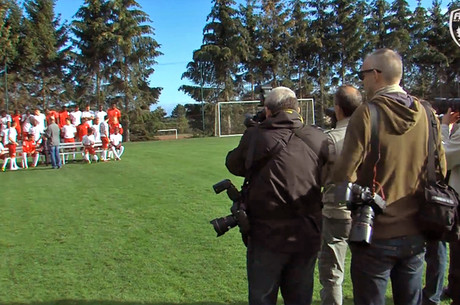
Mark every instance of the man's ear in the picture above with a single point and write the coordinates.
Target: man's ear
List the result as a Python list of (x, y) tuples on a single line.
[(268, 112)]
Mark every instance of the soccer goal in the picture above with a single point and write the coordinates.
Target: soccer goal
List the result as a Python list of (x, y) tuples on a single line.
[(167, 133), (231, 115)]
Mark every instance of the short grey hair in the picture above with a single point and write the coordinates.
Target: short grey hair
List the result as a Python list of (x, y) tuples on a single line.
[(389, 63), (281, 98)]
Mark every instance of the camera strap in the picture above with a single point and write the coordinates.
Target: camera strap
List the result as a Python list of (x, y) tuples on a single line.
[(375, 143)]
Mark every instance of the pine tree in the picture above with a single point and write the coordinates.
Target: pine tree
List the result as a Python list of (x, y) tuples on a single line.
[(134, 56), (94, 39), (45, 51)]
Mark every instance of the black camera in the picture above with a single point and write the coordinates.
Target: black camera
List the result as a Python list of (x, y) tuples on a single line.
[(441, 105), (238, 216), (260, 116), (364, 205)]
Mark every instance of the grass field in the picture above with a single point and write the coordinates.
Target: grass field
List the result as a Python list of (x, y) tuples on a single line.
[(124, 233)]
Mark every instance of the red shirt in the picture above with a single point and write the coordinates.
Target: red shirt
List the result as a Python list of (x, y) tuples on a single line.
[(63, 115), (113, 113), (28, 147), (50, 114), (82, 130), (17, 118), (113, 126)]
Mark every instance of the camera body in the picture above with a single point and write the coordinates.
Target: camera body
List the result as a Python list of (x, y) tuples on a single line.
[(260, 116), (364, 205), (441, 105), (238, 216)]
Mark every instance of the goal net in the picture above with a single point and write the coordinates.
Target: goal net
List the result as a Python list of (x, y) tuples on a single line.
[(231, 115)]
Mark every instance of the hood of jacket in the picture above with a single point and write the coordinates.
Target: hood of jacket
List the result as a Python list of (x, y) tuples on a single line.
[(401, 110), (286, 118)]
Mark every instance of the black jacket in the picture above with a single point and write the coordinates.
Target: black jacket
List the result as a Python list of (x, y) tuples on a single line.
[(284, 193)]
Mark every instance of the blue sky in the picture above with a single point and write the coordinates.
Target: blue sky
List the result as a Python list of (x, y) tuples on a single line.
[(178, 28)]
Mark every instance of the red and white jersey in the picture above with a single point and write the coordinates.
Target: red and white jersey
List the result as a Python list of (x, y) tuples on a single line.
[(75, 118), (88, 140), (69, 131), (41, 118), (116, 139), (12, 135), (104, 129), (28, 147)]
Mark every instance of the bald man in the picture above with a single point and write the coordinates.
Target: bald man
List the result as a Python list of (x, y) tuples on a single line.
[(53, 133), (397, 247), (336, 218)]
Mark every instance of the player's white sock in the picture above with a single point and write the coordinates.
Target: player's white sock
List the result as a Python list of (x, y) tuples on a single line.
[(36, 158), (87, 158), (24, 160), (121, 151), (104, 154), (95, 158)]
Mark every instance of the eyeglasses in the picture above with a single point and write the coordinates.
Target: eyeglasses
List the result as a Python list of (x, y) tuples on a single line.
[(361, 73)]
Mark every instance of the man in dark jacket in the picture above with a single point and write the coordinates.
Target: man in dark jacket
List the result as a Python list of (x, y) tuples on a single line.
[(281, 160)]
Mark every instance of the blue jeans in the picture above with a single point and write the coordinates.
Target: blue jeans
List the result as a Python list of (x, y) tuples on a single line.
[(55, 157), (270, 271), (398, 259), (436, 261)]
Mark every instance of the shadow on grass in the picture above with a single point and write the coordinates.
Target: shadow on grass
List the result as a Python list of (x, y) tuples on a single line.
[(347, 301), (76, 302)]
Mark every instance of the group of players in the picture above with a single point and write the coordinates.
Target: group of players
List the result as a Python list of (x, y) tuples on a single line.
[(87, 126)]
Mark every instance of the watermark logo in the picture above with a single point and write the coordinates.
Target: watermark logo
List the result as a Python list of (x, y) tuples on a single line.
[(454, 25)]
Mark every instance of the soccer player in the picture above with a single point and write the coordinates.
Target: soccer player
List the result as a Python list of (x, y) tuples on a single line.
[(115, 125), (40, 118), (3, 156), (75, 116), (68, 132), (100, 114), (104, 132), (4, 119), (49, 114), (29, 148), (88, 142), (17, 118), (63, 116), (114, 113), (88, 114), (82, 130), (12, 144), (115, 144)]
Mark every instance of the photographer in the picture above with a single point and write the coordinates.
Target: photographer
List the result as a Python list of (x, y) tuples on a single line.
[(397, 248), (451, 142), (336, 218), (281, 159)]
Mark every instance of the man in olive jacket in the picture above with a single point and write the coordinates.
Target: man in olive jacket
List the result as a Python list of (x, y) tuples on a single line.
[(282, 159), (398, 246)]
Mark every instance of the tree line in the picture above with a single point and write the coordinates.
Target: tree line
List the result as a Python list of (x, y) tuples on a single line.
[(312, 46), (107, 53)]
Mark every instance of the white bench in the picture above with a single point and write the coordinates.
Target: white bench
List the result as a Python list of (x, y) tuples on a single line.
[(75, 148)]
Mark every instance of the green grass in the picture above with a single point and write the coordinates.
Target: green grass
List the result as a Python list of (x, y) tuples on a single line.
[(124, 233)]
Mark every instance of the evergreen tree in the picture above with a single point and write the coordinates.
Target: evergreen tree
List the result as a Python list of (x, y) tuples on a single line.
[(223, 47), (378, 23), (134, 56), (44, 43), (9, 37), (350, 33), (273, 34), (94, 40)]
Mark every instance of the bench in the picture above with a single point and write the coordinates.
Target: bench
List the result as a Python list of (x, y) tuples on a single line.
[(75, 148)]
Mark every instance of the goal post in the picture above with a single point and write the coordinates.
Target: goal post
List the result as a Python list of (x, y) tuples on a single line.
[(171, 133), (231, 115)]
